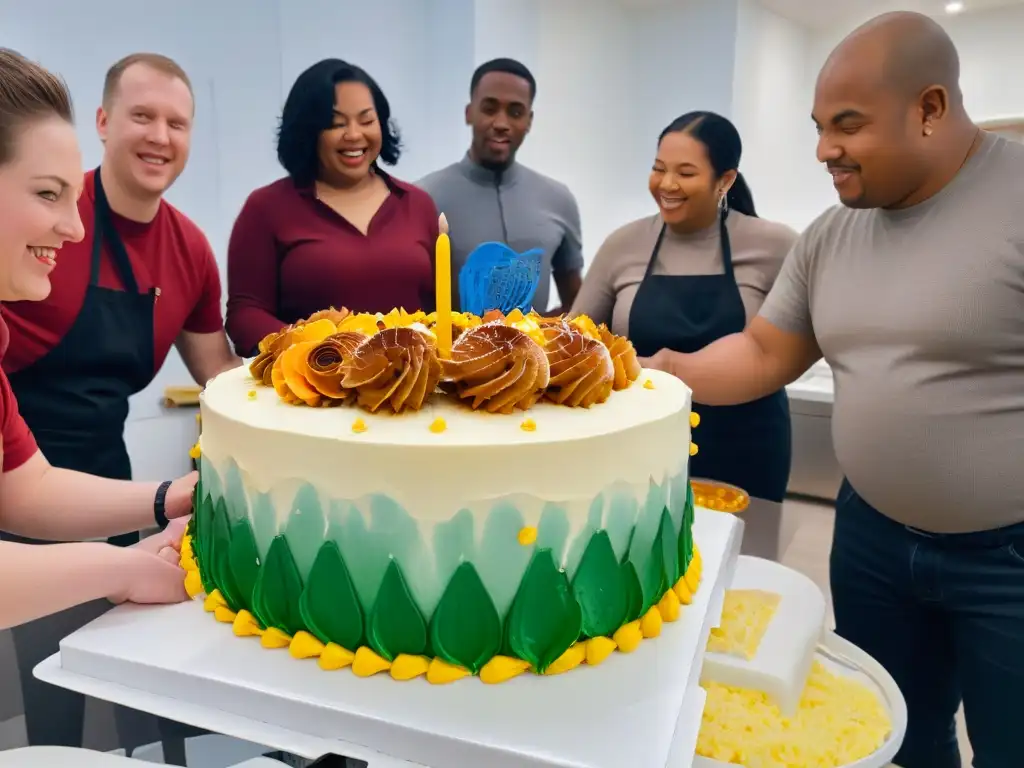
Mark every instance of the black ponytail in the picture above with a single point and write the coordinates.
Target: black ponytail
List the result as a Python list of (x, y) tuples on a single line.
[(722, 142), (739, 197)]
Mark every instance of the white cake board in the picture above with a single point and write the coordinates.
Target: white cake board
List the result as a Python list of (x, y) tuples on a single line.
[(68, 757), (176, 662)]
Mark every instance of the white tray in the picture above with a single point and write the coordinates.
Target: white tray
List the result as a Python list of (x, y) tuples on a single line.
[(178, 663)]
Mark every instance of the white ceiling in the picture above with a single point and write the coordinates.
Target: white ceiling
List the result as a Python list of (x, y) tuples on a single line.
[(822, 14)]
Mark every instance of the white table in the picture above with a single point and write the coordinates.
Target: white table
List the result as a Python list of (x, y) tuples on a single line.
[(66, 757), (641, 709)]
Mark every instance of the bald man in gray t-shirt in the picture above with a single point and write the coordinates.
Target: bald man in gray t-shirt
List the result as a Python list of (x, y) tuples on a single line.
[(913, 291)]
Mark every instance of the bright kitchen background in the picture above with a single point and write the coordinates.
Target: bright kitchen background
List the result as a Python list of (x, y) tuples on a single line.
[(611, 74)]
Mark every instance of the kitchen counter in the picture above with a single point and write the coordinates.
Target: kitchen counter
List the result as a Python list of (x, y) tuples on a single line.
[(815, 471)]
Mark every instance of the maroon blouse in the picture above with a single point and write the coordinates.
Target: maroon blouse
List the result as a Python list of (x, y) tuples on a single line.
[(291, 255)]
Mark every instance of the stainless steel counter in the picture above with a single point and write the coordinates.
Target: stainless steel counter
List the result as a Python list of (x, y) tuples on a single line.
[(815, 470)]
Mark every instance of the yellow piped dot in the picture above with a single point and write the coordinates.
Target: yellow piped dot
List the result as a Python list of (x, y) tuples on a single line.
[(574, 655), (335, 657), (251, 394), (406, 666), (224, 615), (246, 625), (438, 425), (195, 451), (693, 449), (441, 672), (650, 624), (668, 606), (214, 601), (694, 420), (188, 564), (527, 535), (275, 638), (628, 637), (305, 646), (193, 584), (683, 591), (648, 384), (502, 668), (528, 425), (367, 663), (358, 426), (599, 649), (692, 576)]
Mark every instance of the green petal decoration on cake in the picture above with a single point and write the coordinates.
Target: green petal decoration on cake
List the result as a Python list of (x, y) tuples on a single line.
[(669, 540), (600, 589), (465, 629), (278, 590), (396, 625), (204, 536), (653, 580), (223, 574), (329, 604), (545, 619), (634, 591), (244, 561), (686, 534)]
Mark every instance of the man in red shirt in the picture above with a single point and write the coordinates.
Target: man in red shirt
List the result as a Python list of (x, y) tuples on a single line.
[(143, 278)]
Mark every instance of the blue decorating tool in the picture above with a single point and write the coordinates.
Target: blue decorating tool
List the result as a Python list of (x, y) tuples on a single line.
[(496, 277)]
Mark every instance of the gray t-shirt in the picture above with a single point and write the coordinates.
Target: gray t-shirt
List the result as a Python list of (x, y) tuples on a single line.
[(522, 208), (758, 248), (920, 313)]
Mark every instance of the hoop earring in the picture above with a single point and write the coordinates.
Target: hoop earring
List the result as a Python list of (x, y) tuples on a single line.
[(723, 202)]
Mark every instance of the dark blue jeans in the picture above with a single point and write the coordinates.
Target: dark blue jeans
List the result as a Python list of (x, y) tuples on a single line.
[(944, 614)]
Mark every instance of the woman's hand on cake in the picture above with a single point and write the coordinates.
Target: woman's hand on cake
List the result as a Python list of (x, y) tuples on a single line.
[(178, 502), (167, 543), (664, 360), (146, 577)]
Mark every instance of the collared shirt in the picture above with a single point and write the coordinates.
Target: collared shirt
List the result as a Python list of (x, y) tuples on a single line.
[(169, 253), (518, 206), (291, 255)]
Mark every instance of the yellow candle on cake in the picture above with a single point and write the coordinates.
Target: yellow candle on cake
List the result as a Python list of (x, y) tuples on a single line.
[(443, 289)]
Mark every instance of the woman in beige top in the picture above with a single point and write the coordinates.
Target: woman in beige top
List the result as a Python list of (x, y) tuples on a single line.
[(696, 271)]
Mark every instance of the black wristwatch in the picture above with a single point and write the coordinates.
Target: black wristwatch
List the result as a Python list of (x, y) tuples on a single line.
[(159, 510)]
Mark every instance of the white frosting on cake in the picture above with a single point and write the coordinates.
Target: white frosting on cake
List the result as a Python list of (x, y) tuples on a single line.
[(637, 435)]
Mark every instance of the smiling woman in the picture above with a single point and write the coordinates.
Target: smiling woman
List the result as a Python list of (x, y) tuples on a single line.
[(338, 230)]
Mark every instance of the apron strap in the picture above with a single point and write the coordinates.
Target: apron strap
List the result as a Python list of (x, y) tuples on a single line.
[(105, 232), (726, 248)]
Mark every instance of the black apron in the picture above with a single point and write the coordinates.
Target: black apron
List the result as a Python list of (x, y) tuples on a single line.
[(75, 397), (748, 445)]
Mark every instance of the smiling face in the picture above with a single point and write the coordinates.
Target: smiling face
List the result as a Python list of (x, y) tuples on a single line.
[(684, 184), (146, 130), (39, 190), (349, 148), (870, 136), (501, 115)]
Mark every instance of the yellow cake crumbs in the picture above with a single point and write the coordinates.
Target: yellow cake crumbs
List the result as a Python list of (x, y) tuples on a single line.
[(693, 449), (648, 384), (528, 425), (694, 420), (251, 394), (527, 535), (358, 426), (746, 614), (839, 721), (438, 425), (719, 497)]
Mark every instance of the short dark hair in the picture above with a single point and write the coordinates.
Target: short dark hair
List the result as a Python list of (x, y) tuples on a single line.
[(28, 91), (724, 147), (157, 61), (509, 67), (309, 111)]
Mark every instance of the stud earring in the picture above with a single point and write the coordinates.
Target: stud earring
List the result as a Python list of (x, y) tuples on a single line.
[(927, 130)]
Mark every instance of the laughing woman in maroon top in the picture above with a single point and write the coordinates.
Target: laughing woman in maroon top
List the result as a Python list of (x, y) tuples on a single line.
[(337, 231)]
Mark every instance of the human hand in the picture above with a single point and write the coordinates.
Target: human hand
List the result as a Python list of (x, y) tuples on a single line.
[(167, 543), (662, 360), (145, 577), (178, 502)]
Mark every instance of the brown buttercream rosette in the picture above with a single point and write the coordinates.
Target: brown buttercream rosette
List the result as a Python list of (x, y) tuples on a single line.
[(498, 368), (582, 372), (627, 366), (398, 366), (325, 364)]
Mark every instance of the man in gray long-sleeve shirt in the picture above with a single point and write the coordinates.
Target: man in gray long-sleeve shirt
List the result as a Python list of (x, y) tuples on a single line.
[(488, 196)]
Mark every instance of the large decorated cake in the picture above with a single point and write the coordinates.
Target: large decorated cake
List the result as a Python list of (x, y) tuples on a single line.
[(513, 500)]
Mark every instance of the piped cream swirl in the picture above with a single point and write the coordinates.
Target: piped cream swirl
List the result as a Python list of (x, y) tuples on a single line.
[(498, 368), (582, 372), (398, 366)]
